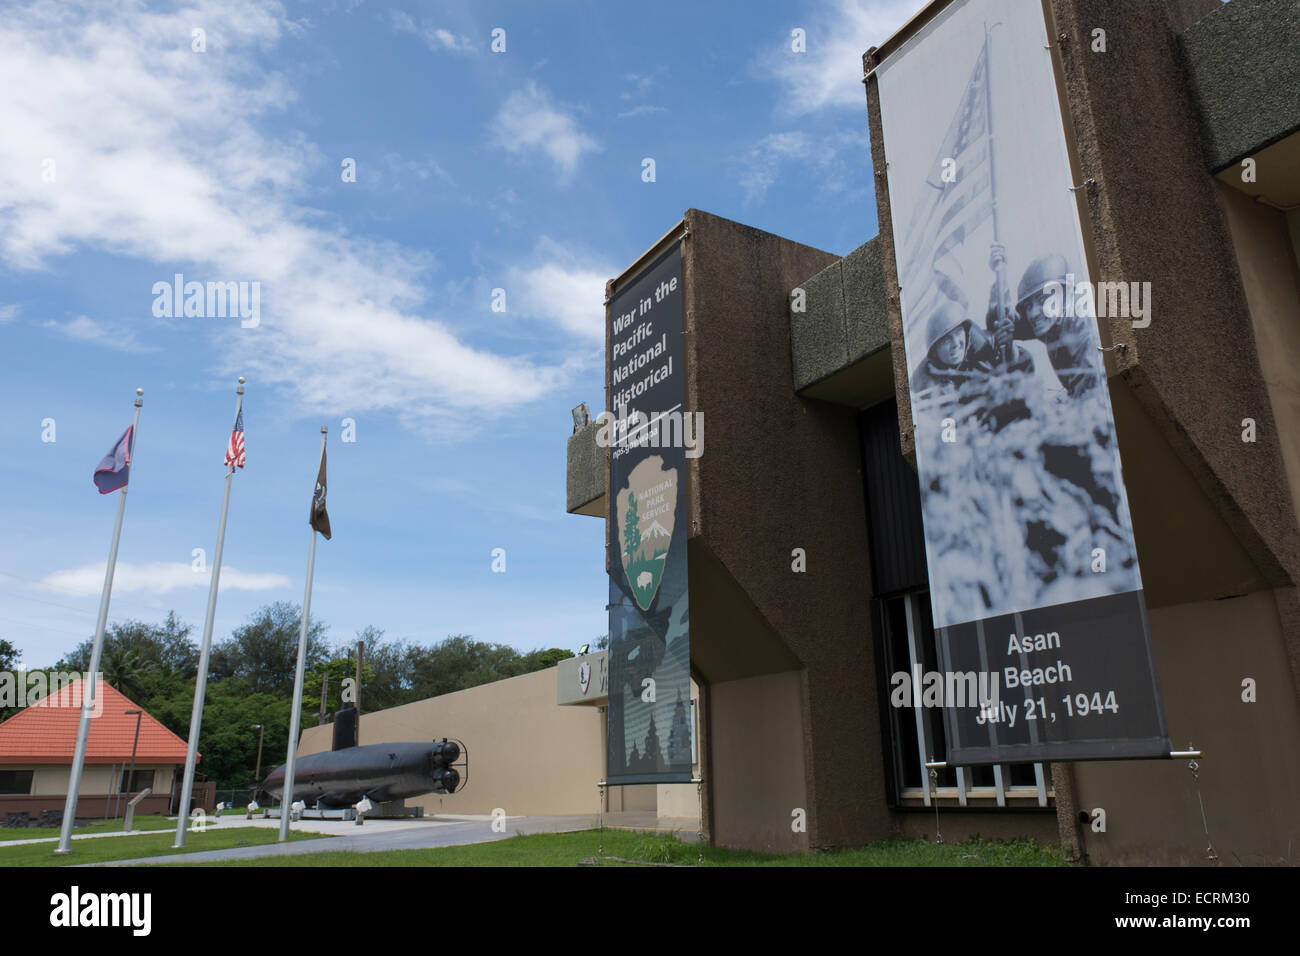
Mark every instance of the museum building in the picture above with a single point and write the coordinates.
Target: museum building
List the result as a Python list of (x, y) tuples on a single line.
[(808, 573)]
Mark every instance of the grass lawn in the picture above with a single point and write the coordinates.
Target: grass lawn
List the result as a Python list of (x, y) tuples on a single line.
[(96, 826), (148, 844), (569, 849)]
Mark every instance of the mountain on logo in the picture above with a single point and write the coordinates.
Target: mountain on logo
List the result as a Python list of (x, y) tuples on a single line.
[(656, 530)]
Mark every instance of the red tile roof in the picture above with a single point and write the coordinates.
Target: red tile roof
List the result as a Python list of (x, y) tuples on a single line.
[(46, 732)]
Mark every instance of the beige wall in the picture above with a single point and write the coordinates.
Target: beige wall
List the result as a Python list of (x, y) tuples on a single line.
[(1293, 227), (52, 780), (1267, 261), (1249, 777), (527, 755), (756, 744)]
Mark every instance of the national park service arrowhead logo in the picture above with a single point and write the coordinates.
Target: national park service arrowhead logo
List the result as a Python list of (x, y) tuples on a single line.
[(647, 512)]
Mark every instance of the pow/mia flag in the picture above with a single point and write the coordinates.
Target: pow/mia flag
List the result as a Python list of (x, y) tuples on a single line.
[(319, 517)]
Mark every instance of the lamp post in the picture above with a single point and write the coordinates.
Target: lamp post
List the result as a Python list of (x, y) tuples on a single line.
[(257, 774), (139, 715)]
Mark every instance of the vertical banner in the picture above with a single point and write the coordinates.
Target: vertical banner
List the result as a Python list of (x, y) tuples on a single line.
[(1034, 580), (649, 618)]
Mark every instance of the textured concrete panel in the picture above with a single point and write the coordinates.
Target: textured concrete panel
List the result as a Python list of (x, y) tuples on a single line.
[(818, 339), (864, 301), (1243, 68), (586, 474)]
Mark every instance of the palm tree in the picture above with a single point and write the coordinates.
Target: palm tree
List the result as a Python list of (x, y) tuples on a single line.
[(125, 669)]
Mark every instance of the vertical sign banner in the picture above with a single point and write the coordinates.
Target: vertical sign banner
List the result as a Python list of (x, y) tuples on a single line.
[(1034, 580), (649, 618)]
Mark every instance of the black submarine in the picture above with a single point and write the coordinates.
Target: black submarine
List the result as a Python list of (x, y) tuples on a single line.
[(341, 777)]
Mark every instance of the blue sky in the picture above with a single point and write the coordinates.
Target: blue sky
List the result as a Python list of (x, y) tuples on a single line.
[(129, 156)]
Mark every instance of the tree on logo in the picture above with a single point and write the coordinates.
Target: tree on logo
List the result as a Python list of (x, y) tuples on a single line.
[(631, 527)]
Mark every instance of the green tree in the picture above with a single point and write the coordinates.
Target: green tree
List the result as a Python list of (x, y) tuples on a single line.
[(145, 660), (389, 665), (631, 528), (9, 657), (264, 652), (167, 644), (541, 659), (227, 737), (126, 670), (339, 668)]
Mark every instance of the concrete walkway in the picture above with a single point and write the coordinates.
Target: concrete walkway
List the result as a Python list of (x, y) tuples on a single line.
[(231, 820), (389, 835), (376, 836), (80, 836)]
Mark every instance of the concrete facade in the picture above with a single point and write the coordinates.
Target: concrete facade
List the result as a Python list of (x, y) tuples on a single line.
[(785, 659)]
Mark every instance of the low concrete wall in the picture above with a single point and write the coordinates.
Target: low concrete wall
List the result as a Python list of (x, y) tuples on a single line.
[(527, 754), (90, 806)]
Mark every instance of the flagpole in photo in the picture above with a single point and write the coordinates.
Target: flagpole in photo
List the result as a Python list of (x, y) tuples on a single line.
[(319, 519), (115, 470), (234, 458)]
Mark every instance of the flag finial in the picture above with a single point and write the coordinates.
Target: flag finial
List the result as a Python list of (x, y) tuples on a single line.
[(323, 429)]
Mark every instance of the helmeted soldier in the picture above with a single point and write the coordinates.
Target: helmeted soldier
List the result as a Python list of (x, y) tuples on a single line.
[(1066, 336), (956, 350)]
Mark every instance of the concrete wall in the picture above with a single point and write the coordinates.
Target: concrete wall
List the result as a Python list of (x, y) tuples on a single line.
[(1249, 777), (98, 795), (759, 768), (527, 755), (779, 472), (1269, 275)]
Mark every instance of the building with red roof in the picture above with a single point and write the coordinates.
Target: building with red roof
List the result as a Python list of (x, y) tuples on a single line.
[(37, 746)]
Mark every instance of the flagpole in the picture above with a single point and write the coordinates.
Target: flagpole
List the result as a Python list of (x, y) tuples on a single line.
[(201, 680), (295, 718), (97, 650), (1000, 272)]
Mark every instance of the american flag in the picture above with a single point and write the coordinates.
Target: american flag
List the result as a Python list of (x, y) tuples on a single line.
[(235, 450), (955, 206)]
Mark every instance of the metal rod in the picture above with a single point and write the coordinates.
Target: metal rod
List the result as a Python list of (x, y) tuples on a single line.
[(130, 773), (201, 680), (97, 650), (1173, 755), (295, 718)]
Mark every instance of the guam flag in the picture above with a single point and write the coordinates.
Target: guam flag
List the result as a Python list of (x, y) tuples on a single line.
[(112, 472)]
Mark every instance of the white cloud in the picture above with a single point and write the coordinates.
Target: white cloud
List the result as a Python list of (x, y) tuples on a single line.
[(8, 313), (530, 120), (160, 154), (640, 85), (563, 287), (642, 111), (84, 329), (158, 577), (829, 74), (761, 166), (436, 39)]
